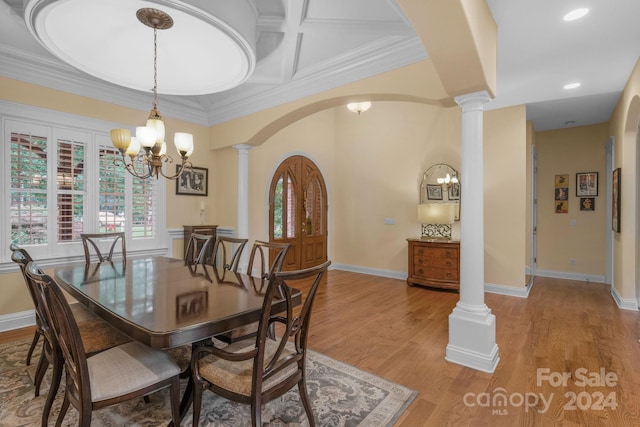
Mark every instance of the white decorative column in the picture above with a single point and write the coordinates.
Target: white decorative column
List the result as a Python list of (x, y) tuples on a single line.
[(472, 326), (243, 198)]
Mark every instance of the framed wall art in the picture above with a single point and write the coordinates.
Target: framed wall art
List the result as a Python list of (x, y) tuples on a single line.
[(615, 198), (587, 203), (193, 182), (586, 184), (561, 194)]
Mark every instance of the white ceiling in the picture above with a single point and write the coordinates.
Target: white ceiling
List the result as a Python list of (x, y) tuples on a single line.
[(308, 46)]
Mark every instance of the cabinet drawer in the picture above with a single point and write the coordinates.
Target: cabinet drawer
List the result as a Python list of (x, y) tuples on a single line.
[(435, 262), (426, 251), (436, 273)]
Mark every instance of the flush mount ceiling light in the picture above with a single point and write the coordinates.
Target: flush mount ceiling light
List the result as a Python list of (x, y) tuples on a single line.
[(359, 107), (576, 14), (570, 86), (209, 49)]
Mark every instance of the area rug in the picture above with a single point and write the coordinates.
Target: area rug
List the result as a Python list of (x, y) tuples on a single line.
[(340, 394)]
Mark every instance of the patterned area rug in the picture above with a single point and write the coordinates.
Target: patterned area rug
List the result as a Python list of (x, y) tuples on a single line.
[(341, 395)]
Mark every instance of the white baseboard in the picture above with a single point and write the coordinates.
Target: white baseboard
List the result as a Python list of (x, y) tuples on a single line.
[(510, 291), (595, 278), (495, 289), (21, 319), (624, 303), (401, 275)]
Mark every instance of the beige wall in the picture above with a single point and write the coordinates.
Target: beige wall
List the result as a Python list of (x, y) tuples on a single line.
[(381, 156), (529, 175), (624, 128), (505, 196), (569, 151)]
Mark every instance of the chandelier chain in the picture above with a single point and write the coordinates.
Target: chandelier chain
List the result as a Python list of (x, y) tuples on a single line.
[(155, 67)]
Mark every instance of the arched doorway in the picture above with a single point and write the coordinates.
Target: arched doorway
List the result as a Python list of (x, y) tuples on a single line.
[(298, 212)]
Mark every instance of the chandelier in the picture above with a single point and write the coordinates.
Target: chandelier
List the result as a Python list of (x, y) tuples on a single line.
[(148, 162)]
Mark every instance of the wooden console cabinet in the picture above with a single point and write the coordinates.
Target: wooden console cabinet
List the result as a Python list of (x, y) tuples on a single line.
[(209, 230), (434, 263)]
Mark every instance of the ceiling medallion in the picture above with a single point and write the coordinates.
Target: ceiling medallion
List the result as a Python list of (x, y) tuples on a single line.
[(210, 48)]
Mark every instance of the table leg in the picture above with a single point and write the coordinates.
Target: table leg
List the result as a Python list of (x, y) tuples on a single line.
[(187, 397)]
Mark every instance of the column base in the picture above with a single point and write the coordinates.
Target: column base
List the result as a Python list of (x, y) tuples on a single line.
[(472, 339)]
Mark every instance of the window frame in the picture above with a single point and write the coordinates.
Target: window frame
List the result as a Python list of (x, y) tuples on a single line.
[(59, 125)]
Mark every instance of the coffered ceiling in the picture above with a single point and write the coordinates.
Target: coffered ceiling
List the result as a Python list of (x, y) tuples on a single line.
[(304, 47)]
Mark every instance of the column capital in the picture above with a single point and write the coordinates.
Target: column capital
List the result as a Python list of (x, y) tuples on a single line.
[(473, 101), (242, 147)]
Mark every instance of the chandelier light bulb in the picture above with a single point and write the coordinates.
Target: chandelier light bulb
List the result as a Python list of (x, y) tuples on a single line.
[(121, 139), (183, 142), (158, 126), (134, 147), (146, 136)]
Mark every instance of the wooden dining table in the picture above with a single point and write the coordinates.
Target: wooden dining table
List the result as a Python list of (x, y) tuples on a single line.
[(164, 304)]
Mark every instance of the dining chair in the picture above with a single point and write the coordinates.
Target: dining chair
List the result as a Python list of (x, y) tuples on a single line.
[(260, 253), (98, 240), (197, 252), (227, 252), (22, 257), (112, 376), (269, 367), (96, 334)]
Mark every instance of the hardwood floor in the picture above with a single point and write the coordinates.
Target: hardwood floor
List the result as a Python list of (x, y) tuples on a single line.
[(400, 333)]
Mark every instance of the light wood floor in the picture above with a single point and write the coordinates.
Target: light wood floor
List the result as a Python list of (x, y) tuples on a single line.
[(400, 333)]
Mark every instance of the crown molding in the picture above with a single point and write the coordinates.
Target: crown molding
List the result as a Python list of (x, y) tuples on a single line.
[(375, 59), (52, 73)]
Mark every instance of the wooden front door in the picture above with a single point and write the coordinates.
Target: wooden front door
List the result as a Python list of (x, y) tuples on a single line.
[(298, 212)]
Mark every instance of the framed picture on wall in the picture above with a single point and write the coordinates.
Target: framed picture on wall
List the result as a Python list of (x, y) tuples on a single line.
[(615, 201), (586, 184), (193, 182), (562, 193), (561, 206), (434, 192), (588, 204)]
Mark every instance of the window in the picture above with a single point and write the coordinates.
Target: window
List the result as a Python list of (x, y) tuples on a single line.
[(28, 188), (64, 179)]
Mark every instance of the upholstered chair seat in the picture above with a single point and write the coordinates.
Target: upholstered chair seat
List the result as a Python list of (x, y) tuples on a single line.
[(127, 368), (237, 376)]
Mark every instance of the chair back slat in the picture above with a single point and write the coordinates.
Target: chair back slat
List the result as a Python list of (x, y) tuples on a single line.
[(197, 252)]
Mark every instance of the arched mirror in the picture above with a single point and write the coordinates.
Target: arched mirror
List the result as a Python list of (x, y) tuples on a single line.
[(439, 200), (440, 184)]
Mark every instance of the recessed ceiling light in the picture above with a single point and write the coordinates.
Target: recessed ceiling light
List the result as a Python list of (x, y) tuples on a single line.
[(570, 123), (571, 85), (576, 14)]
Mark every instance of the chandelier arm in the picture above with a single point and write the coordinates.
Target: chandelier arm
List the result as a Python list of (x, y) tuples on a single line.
[(130, 167), (186, 164)]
